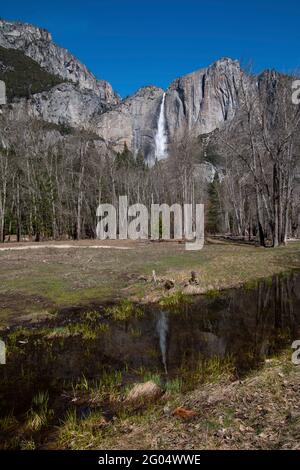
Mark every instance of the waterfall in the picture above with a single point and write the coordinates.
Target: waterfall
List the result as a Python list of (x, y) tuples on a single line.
[(162, 330), (161, 137)]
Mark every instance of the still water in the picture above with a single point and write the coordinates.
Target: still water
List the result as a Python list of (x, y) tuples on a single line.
[(246, 325)]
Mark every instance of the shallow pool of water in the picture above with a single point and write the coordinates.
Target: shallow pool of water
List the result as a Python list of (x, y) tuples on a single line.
[(241, 326)]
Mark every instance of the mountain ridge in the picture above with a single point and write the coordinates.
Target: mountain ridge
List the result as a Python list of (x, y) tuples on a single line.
[(37, 43), (199, 102)]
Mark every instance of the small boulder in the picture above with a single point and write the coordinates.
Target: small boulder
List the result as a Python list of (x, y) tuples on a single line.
[(145, 392)]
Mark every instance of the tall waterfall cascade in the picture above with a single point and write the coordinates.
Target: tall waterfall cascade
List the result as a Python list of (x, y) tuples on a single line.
[(161, 136)]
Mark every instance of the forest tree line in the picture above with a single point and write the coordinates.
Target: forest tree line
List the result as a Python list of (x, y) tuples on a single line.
[(51, 182)]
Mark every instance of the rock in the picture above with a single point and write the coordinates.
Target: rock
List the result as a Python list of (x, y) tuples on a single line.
[(145, 392), (206, 172), (133, 121), (64, 104), (37, 43), (204, 99), (77, 101), (201, 102)]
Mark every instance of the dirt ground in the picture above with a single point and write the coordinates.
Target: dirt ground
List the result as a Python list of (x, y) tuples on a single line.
[(24, 245)]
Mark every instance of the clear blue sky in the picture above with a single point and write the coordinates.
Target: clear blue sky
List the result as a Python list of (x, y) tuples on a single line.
[(132, 43)]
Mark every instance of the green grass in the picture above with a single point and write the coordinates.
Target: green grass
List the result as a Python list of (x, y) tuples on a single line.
[(207, 370), (8, 423), (152, 377), (93, 432), (107, 389), (59, 278), (27, 444), (76, 434), (175, 302), (135, 332), (213, 294), (124, 310), (239, 413), (39, 414), (87, 331), (174, 385)]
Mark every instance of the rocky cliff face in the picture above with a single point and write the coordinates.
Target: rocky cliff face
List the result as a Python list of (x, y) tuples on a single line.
[(64, 104), (133, 121), (199, 102), (37, 43), (203, 100)]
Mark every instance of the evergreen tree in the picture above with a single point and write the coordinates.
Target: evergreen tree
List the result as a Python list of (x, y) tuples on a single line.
[(140, 161), (213, 208), (125, 159)]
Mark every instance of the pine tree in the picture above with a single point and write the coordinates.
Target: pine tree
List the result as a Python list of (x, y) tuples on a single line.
[(125, 159), (213, 208), (140, 161)]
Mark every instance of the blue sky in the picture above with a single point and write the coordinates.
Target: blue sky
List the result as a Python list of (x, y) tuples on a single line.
[(134, 43)]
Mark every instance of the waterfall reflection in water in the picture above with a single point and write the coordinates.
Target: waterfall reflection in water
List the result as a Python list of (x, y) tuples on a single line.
[(162, 329)]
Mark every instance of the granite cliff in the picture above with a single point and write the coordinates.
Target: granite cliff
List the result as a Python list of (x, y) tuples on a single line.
[(37, 43), (199, 102)]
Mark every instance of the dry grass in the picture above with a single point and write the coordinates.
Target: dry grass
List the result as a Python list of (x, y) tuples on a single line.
[(39, 281), (261, 412)]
